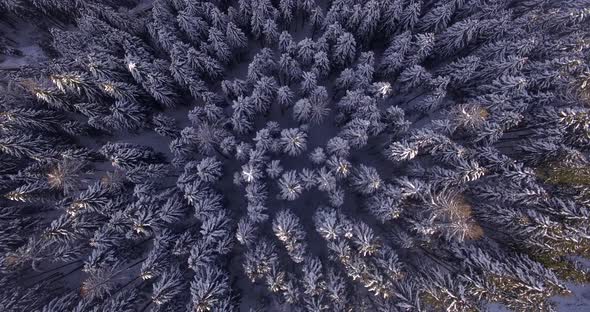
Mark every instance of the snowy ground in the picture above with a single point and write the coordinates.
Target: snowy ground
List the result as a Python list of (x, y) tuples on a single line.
[(27, 38), (579, 301)]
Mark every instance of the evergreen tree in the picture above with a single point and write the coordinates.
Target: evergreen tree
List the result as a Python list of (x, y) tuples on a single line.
[(422, 47), (286, 44), (413, 77), (371, 12), (321, 64), (293, 141), (366, 180), (411, 14), (209, 290), (128, 156), (285, 97), (235, 36), (286, 8), (345, 50), (458, 36), (338, 146), (270, 32), (289, 69), (439, 17), (217, 45), (165, 126), (290, 186), (395, 54), (167, 287), (288, 230)]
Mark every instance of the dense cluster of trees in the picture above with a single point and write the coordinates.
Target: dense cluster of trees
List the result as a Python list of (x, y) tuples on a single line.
[(348, 155)]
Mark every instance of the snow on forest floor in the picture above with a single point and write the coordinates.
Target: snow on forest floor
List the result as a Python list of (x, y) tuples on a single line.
[(27, 38), (578, 301), (142, 5)]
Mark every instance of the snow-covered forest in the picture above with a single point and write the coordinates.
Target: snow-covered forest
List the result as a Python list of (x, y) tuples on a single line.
[(293, 155)]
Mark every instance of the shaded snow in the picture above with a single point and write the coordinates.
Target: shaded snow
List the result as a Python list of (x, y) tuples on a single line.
[(27, 38), (578, 301), (142, 6)]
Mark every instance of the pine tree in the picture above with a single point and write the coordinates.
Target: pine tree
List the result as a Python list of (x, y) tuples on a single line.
[(339, 165), (293, 141), (209, 289), (325, 180), (321, 64), (126, 115), (458, 36), (290, 186), (411, 14), (274, 169), (168, 286), (370, 20), (24, 145), (217, 45), (366, 180), (338, 146), (317, 156), (395, 54), (165, 126), (391, 15), (461, 71), (289, 69), (235, 37), (285, 97), (288, 230), (302, 110), (422, 47), (286, 8), (308, 82), (270, 32), (193, 26), (263, 64), (286, 44), (345, 50), (356, 132), (204, 64), (438, 18), (128, 156), (413, 77)]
